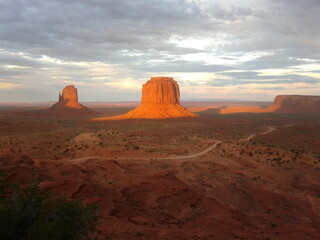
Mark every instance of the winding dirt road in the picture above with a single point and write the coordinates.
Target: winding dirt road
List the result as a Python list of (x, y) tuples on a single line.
[(271, 129), (205, 151)]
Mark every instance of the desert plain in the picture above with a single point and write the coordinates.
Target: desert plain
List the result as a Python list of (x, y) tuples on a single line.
[(216, 176)]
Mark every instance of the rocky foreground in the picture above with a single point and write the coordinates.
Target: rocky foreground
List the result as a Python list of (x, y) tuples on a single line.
[(209, 198), (260, 182)]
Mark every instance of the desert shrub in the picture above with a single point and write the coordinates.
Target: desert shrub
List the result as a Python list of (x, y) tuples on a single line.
[(135, 147), (31, 214)]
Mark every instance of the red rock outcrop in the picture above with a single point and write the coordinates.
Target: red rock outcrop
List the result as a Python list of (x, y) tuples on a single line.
[(68, 103), (282, 104), (160, 90), (160, 99), (295, 104)]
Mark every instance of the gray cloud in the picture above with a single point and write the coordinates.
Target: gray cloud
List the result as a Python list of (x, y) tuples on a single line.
[(97, 30), (183, 66), (135, 37), (244, 78), (271, 61), (249, 75)]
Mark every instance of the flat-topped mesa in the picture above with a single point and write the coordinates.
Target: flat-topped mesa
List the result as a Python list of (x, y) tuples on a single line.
[(283, 104), (160, 90), (160, 99), (295, 104), (68, 103)]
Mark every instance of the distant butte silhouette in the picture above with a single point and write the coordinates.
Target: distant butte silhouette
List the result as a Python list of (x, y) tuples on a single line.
[(68, 103), (282, 104), (160, 99), (295, 104)]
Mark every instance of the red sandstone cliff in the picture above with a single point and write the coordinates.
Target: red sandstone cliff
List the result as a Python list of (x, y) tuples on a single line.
[(160, 90), (282, 104), (295, 104), (160, 99)]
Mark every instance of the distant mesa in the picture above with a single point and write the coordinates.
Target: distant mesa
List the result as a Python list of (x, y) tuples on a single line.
[(68, 104), (295, 104), (282, 104), (160, 99)]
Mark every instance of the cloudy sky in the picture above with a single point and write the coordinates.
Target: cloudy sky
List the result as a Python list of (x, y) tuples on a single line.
[(227, 49)]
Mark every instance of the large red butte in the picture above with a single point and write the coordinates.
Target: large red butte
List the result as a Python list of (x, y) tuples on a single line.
[(160, 99)]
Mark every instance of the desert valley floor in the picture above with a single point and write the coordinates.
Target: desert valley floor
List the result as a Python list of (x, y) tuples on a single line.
[(234, 176)]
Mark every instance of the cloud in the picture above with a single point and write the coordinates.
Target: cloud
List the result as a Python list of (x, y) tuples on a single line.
[(45, 44), (107, 28), (253, 77), (183, 66), (7, 85)]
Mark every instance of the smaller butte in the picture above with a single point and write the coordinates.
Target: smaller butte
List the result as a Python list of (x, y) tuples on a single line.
[(160, 99), (68, 104)]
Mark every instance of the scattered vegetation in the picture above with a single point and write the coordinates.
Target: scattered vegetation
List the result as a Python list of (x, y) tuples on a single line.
[(27, 213)]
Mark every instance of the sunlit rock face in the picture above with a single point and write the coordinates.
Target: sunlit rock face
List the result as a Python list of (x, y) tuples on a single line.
[(68, 103), (160, 90), (70, 94), (69, 97), (160, 99), (295, 104)]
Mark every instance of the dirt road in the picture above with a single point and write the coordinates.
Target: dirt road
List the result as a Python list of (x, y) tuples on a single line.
[(205, 151)]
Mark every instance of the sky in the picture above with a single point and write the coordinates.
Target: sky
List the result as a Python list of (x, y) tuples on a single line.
[(228, 49)]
